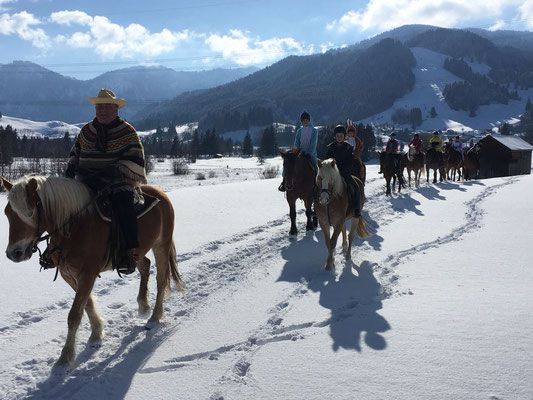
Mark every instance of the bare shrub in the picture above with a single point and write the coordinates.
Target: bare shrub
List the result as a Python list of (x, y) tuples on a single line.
[(270, 172), (200, 176), (212, 174), (180, 167)]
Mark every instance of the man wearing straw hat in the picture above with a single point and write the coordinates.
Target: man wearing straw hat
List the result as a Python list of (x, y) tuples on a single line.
[(108, 154)]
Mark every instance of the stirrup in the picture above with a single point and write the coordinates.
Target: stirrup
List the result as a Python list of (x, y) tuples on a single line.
[(128, 264), (281, 187)]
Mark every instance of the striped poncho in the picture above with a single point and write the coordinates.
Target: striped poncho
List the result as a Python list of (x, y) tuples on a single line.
[(110, 153)]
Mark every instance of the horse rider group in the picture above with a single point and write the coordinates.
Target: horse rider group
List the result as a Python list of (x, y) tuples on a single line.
[(392, 146), (346, 149)]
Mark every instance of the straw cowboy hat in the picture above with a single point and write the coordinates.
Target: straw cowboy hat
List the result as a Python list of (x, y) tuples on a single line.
[(106, 96)]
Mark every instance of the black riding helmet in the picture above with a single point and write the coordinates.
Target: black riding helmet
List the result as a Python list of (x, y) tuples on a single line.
[(305, 115), (339, 129)]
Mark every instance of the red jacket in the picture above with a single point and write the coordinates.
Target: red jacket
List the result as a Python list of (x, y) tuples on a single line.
[(417, 144)]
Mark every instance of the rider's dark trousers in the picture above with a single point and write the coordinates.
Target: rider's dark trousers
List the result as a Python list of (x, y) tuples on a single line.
[(353, 191), (122, 205)]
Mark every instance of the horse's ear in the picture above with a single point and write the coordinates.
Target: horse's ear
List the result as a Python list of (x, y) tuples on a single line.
[(8, 185), (319, 162), (281, 153), (333, 162), (31, 192)]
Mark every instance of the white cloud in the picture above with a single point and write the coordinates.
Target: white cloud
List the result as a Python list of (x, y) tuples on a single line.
[(499, 24), (22, 24), (68, 18), (526, 13), (388, 14), (244, 50), (110, 40)]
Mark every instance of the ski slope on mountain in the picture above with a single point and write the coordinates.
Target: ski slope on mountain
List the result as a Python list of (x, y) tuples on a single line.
[(431, 78), (435, 304)]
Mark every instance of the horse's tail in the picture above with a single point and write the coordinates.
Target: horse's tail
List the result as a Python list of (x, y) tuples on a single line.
[(173, 266), (362, 230)]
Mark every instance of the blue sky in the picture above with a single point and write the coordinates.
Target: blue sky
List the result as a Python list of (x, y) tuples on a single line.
[(83, 39)]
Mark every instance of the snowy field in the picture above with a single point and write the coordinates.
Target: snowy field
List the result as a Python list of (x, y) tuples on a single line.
[(436, 304)]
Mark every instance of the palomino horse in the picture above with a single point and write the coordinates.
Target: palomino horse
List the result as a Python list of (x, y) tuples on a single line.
[(453, 162), (415, 163), (333, 208), (435, 161), (64, 208), (392, 166), (471, 164), (299, 184)]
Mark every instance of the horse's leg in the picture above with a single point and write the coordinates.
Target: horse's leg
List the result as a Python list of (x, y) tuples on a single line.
[(142, 298), (409, 176), (292, 214), (387, 182), (161, 253), (84, 286), (97, 324), (326, 231), (344, 241), (309, 214), (336, 232), (427, 174), (353, 230)]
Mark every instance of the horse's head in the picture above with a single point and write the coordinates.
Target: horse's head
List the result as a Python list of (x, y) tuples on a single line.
[(290, 167), (23, 217), (328, 180)]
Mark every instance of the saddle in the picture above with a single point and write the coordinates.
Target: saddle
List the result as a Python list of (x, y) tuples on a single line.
[(141, 207)]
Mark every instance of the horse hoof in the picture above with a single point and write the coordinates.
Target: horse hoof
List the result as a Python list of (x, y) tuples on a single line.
[(95, 341), (144, 311), (152, 324)]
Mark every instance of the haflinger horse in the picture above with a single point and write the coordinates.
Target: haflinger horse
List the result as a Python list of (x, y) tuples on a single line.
[(299, 184), (435, 161), (392, 166), (64, 208), (415, 163), (333, 208), (453, 161)]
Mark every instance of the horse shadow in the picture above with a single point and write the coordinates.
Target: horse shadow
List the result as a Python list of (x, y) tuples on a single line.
[(62, 383), (430, 193), (448, 185), (353, 299), (405, 203), (473, 183)]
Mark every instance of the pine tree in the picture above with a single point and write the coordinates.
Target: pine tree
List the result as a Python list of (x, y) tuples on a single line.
[(247, 147)]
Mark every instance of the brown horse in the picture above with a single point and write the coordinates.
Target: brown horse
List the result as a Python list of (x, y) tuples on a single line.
[(471, 164), (392, 166), (299, 179), (333, 208), (453, 162), (435, 161), (414, 163), (63, 208)]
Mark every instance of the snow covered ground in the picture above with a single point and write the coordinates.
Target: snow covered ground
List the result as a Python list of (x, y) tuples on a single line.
[(431, 78), (436, 304)]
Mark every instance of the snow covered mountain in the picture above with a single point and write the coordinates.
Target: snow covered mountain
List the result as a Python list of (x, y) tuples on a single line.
[(51, 129), (431, 78)]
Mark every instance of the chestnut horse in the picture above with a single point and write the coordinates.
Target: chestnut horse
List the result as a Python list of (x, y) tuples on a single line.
[(333, 208), (415, 162), (64, 208), (299, 179)]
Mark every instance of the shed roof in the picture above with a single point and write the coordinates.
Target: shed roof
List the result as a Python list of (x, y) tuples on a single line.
[(512, 142)]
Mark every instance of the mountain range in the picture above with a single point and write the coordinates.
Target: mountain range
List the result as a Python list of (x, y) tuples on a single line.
[(31, 91)]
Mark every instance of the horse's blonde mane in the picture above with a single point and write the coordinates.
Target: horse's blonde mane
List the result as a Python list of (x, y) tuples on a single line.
[(330, 175), (60, 198)]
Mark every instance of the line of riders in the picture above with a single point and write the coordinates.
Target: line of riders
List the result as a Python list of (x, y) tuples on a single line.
[(392, 147)]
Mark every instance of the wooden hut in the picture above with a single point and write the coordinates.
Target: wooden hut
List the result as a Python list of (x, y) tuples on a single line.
[(504, 156)]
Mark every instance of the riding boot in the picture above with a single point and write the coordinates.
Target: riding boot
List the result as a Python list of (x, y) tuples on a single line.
[(122, 204), (282, 187)]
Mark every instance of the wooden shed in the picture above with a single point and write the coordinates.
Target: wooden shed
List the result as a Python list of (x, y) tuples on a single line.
[(501, 155)]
